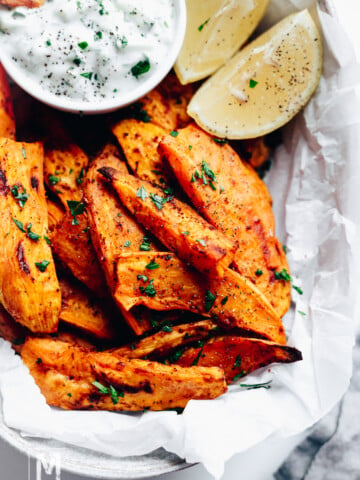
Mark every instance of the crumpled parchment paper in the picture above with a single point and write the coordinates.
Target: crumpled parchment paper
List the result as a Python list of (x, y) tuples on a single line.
[(315, 183)]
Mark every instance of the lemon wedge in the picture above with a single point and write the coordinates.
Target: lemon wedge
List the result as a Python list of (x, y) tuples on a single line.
[(215, 30), (265, 84)]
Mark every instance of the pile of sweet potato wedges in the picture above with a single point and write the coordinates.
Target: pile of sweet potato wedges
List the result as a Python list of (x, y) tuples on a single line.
[(143, 276)]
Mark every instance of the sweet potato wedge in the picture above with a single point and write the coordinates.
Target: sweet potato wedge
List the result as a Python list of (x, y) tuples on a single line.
[(164, 341), (29, 289), (71, 243), (230, 195), (237, 356), (22, 3), (55, 213), (7, 122), (174, 223), (139, 142), (81, 311), (159, 111), (160, 281), (66, 377), (236, 302)]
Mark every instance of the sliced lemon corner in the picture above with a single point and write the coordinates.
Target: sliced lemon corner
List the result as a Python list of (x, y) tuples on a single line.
[(265, 85), (215, 30)]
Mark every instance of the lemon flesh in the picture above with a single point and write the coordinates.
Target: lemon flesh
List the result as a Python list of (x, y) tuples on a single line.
[(265, 84), (215, 30)]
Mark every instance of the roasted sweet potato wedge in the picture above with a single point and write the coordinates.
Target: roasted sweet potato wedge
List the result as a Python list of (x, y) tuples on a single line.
[(174, 223), (55, 213), (160, 281), (7, 122), (159, 111), (236, 302), (139, 142), (29, 289), (80, 310), (165, 341), (73, 378), (230, 195), (71, 243), (22, 3), (237, 356)]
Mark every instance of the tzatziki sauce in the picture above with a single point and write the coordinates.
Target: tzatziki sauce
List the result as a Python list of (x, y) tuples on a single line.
[(89, 50)]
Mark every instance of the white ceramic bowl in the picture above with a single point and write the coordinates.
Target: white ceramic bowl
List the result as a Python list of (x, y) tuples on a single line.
[(20, 76)]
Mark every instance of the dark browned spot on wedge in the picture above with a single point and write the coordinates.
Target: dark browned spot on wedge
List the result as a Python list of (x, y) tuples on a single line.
[(108, 172), (20, 255), (4, 187), (35, 183)]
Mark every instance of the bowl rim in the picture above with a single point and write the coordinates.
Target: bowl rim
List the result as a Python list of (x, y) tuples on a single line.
[(21, 78)]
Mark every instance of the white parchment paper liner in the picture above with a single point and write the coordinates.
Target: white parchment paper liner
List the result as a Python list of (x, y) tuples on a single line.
[(315, 182)]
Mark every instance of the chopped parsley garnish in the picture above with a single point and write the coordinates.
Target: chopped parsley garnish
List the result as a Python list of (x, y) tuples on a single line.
[(252, 83), (98, 36), (101, 387), (237, 363), (53, 180), (19, 341), (152, 265), (19, 225), (198, 356), (190, 147), (23, 151), (123, 41), (200, 27), (167, 328), (209, 300), (114, 395), (192, 180), (69, 394), (127, 243), (20, 197), (221, 141), (47, 240), (142, 193), (208, 172), (302, 313), (265, 385), (80, 177), (144, 278), (48, 43), (39, 361), (284, 248), (176, 355), (186, 233), (297, 289), (143, 66), (157, 201), (76, 208), (77, 61), (83, 45), (283, 275), (174, 133), (149, 290), (30, 234), (145, 245), (136, 111), (42, 266), (239, 375), (202, 242), (259, 272), (87, 75), (224, 300)]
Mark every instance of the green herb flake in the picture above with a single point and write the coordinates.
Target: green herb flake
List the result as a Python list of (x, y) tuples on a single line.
[(53, 180), (302, 313), (30, 234), (80, 177), (77, 61), (20, 197), (237, 363), (76, 208), (221, 141), (297, 289), (144, 278), (69, 394), (48, 43), (259, 272), (209, 300), (167, 328), (190, 147), (284, 248), (142, 67), (19, 225), (23, 151), (142, 193), (114, 395), (174, 133), (83, 45), (252, 83), (207, 171), (202, 242), (98, 36), (224, 300), (239, 375), (157, 201), (124, 41), (42, 266), (47, 240), (19, 341), (145, 245), (200, 27), (283, 275), (127, 243), (254, 386), (39, 361), (101, 388), (149, 290), (186, 233), (152, 265), (198, 356), (87, 75)]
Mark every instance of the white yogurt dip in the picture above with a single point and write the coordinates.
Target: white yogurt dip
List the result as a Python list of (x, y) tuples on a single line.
[(89, 50)]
